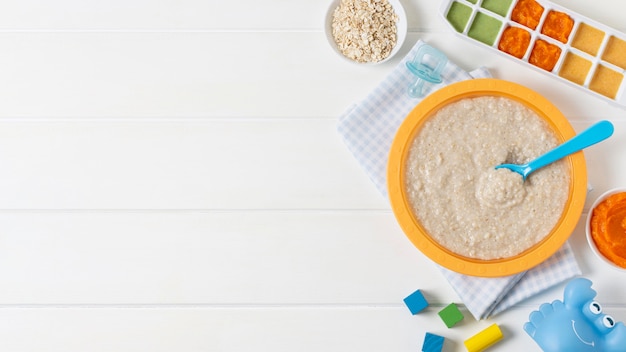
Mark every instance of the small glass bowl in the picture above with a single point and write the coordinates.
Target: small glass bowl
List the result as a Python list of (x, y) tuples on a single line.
[(401, 31), (592, 243)]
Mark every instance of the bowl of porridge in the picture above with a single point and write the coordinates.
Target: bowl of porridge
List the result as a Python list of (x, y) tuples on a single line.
[(456, 207)]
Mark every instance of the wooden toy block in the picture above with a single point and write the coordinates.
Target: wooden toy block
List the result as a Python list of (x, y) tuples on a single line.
[(484, 339), (416, 302), (451, 315), (432, 343)]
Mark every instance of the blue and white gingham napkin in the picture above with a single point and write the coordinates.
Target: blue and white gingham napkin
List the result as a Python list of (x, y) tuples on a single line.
[(368, 129)]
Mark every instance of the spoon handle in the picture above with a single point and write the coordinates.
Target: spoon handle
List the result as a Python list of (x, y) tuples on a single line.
[(592, 135)]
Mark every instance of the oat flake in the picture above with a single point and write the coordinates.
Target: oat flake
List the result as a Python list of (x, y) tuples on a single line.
[(365, 30)]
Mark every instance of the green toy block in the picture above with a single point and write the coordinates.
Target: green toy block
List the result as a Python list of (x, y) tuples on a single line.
[(451, 315)]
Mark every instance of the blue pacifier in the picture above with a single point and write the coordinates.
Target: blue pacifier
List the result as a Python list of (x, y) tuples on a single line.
[(423, 72)]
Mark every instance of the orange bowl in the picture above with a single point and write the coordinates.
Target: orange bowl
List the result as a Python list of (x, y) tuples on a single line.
[(416, 232)]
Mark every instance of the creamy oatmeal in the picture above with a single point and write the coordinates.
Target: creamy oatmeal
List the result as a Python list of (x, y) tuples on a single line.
[(459, 197)]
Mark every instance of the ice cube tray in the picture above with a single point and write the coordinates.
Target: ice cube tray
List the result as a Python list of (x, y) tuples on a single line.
[(547, 37)]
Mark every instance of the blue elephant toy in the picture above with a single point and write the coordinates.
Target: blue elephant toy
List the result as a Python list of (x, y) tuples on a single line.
[(576, 324)]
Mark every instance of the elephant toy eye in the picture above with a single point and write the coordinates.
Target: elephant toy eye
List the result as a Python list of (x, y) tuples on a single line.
[(595, 307), (608, 321)]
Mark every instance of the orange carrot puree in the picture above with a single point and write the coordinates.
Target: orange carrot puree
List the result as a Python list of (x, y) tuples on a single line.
[(527, 12), (608, 228), (558, 26), (544, 55), (514, 41)]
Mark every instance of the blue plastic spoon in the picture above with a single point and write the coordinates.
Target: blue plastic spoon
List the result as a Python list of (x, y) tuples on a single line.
[(594, 134)]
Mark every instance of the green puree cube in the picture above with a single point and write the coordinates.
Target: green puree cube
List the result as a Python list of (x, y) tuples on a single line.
[(484, 28), (501, 7), (458, 15)]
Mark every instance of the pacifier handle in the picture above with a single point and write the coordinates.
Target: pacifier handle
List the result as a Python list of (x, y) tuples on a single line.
[(423, 72)]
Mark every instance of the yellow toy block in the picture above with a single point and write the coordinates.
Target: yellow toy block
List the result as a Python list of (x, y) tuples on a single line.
[(484, 339)]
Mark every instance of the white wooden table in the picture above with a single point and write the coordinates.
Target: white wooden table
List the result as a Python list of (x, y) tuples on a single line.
[(171, 180)]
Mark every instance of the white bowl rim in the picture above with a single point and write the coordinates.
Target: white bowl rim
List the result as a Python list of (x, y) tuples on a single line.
[(401, 31), (590, 241)]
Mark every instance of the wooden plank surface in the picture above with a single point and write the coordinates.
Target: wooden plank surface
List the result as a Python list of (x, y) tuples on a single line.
[(171, 178)]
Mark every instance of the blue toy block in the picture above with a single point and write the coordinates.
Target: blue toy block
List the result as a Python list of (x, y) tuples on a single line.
[(432, 343), (416, 302), (451, 315)]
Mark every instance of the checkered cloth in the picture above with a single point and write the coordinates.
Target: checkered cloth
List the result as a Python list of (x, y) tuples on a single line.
[(368, 129)]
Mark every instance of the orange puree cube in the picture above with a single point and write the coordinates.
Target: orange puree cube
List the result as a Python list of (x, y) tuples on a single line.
[(544, 55), (558, 26), (514, 41), (527, 13)]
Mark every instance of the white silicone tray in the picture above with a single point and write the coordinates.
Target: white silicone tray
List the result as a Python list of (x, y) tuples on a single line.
[(601, 73)]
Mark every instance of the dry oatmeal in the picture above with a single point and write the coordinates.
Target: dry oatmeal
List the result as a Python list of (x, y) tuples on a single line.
[(462, 201), (365, 30)]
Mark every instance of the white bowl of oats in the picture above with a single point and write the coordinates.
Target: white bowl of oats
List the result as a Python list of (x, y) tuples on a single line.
[(366, 31)]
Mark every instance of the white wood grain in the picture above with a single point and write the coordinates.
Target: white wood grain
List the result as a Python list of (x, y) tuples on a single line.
[(217, 257), (170, 74), (216, 164), (196, 15), (206, 164), (231, 329), (291, 75), (229, 257)]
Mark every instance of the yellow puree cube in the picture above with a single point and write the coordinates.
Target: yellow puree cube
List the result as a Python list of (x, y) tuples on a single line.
[(606, 81), (575, 68), (615, 52), (588, 39)]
